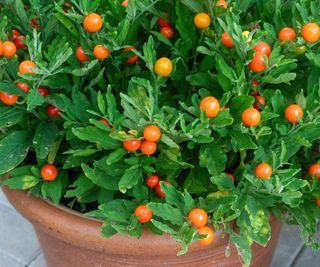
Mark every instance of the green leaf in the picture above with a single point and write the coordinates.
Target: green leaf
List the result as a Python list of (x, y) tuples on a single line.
[(149, 53), (13, 150), (163, 227), (116, 155), (167, 212), (34, 99), (11, 116), (100, 178), (81, 186), (96, 136), (45, 136), (21, 182), (213, 158), (282, 78), (130, 178), (223, 181), (241, 141)]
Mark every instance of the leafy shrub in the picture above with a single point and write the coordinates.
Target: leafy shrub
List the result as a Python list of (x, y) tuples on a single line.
[(92, 85)]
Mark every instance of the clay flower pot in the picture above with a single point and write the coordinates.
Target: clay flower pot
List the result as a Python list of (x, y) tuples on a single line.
[(70, 239)]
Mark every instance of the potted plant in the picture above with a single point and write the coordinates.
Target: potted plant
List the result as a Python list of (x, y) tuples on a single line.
[(175, 122)]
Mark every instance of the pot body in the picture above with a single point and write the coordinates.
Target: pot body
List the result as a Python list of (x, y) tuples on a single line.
[(69, 239)]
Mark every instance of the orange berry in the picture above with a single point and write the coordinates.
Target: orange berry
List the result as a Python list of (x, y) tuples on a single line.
[(93, 22), (263, 171)]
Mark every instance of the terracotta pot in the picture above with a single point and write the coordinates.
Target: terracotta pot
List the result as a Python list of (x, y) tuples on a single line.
[(69, 239)]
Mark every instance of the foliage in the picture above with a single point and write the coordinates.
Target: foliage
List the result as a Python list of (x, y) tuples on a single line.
[(100, 178)]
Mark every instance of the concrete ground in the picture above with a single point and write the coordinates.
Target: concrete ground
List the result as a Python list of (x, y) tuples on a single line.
[(19, 246)]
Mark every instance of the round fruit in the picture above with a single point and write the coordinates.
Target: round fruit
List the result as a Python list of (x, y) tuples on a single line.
[(152, 133), (92, 23), (25, 67), (198, 218), (163, 67), (9, 49), (81, 56), (300, 50), (231, 176), (100, 52), (315, 170), (211, 106), (43, 91), (49, 172), (125, 3), (251, 117), (257, 63), (287, 34), (262, 47), (53, 111), (148, 148), (246, 36), (152, 181), (263, 171), (163, 22), (23, 86), (167, 32), (202, 20), (131, 145), (255, 83), (222, 3), (260, 101), (311, 32), (20, 41), (7, 99), (134, 59), (205, 230), (159, 191), (1, 48), (293, 112), (143, 213), (34, 23), (15, 34), (226, 40), (317, 201)]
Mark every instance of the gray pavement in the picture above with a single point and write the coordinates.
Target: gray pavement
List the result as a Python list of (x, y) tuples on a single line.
[(19, 246)]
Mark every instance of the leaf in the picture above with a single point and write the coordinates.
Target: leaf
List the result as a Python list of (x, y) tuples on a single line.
[(21, 182), (223, 67), (149, 53), (80, 105), (100, 178), (282, 78), (85, 70), (45, 136), (96, 136), (200, 79), (167, 212), (241, 141), (173, 197), (130, 178), (13, 150), (223, 181), (54, 190), (34, 99), (163, 227), (116, 155), (11, 116), (213, 158), (81, 186)]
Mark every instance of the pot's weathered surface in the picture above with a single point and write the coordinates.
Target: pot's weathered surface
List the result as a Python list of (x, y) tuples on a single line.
[(69, 239)]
